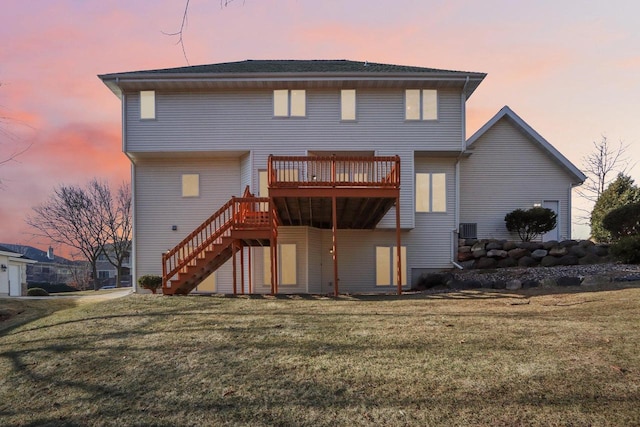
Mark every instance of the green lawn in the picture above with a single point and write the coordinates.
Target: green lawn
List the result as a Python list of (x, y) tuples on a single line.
[(469, 358)]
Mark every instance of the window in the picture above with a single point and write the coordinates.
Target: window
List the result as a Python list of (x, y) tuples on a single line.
[(190, 185), (103, 274), (348, 103), (431, 192), (147, 104), (421, 104), (287, 265), (289, 103), (386, 265)]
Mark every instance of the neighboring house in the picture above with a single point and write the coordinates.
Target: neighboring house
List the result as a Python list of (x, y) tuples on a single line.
[(47, 267), (108, 273), (346, 168), (511, 166), (13, 273)]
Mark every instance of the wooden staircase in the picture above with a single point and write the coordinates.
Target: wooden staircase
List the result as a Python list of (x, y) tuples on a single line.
[(242, 221)]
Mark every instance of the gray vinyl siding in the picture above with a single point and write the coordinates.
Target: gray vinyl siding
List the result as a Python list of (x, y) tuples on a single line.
[(231, 121), (508, 171), (160, 205), (245, 173)]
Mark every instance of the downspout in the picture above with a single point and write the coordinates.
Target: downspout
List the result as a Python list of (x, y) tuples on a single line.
[(463, 146)]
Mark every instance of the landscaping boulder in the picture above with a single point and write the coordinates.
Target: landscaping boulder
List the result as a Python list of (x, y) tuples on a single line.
[(530, 283), (479, 253), (550, 244), (477, 246), (578, 251), (518, 253), (507, 262), (465, 256), (496, 253), (493, 245), (530, 246), (558, 251), (527, 261), (538, 254), (509, 245), (484, 263), (569, 243), (568, 260), (549, 261)]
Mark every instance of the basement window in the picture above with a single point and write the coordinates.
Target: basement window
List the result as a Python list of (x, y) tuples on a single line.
[(386, 265)]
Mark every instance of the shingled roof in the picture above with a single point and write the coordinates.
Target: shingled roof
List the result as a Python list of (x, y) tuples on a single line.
[(273, 74), (294, 66)]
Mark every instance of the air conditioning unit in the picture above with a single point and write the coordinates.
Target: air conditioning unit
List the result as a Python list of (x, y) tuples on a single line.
[(468, 230)]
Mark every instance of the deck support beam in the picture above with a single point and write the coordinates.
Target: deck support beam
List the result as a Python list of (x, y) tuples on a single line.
[(398, 246), (334, 249), (233, 254), (249, 251), (241, 245)]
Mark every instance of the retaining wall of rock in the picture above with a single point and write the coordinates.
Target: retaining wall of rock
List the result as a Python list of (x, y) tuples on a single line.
[(485, 254)]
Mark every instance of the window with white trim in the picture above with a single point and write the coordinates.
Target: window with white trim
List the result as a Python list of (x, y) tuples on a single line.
[(421, 104), (191, 185), (386, 265), (348, 104), (147, 104), (289, 103), (431, 192)]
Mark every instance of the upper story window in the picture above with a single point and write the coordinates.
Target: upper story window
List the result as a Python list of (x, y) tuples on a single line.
[(421, 104), (191, 185), (289, 103), (431, 192), (348, 104), (147, 104)]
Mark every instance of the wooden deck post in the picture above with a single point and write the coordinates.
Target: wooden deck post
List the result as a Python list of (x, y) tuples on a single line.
[(241, 245), (398, 246), (334, 248), (233, 252), (249, 251)]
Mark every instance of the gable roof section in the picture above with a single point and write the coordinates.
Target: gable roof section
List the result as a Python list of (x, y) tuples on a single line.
[(533, 136), (245, 72)]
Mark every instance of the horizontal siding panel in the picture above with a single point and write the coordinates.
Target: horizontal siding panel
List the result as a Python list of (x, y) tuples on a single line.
[(243, 120)]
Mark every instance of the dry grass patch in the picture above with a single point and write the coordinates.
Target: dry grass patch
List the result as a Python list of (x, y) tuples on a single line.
[(469, 358)]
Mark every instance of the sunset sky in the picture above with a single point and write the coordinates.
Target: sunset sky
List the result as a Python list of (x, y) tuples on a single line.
[(569, 68)]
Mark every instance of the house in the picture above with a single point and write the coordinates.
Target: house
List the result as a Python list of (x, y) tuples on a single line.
[(13, 273), (108, 273), (314, 176), (47, 267)]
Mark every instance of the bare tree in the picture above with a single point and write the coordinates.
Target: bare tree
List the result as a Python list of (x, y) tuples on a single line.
[(118, 227), (602, 166), (73, 216), (183, 24)]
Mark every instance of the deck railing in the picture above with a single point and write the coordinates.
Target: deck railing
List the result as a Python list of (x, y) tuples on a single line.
[(333, 171), (238, 213)]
